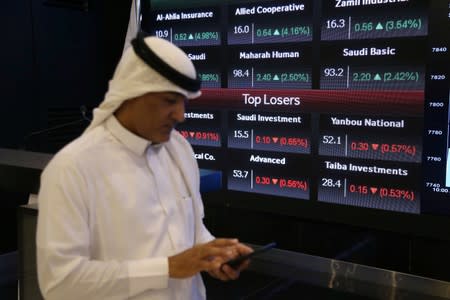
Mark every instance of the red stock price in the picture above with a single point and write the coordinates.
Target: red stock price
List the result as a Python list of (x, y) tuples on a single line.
[(282, 182), (384, 148), (282, 141), (382, 192), (200, 135)]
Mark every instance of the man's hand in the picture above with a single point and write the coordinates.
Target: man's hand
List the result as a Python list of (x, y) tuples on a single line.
[(225, 272), (204, 257)]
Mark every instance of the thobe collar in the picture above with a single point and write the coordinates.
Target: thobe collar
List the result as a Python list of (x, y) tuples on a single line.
[(130, 140)]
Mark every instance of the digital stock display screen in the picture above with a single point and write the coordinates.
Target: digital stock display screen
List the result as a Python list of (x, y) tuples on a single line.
[(333, 101)]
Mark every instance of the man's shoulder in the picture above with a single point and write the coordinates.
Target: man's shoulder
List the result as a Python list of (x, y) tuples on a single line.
[(81, 148)]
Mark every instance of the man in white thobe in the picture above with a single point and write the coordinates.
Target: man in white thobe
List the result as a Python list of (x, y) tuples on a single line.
[(120, 213)]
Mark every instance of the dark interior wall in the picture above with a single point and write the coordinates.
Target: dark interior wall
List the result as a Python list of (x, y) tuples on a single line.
[(54, 58), (16, 75), (57, 58), (17, 106)]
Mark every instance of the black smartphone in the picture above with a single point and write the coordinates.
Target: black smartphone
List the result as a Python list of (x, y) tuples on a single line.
[(234, 263)]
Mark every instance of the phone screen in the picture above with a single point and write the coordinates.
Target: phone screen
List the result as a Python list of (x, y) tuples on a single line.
[(234, 263)]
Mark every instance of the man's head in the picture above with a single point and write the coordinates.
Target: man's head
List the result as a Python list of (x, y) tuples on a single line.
[(151, 70), (152, 116)]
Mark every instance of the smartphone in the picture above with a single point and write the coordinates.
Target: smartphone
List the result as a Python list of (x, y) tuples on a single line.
[(234, 263)]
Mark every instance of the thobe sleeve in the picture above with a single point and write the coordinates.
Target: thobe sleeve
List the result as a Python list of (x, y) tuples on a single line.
[(65, 268)]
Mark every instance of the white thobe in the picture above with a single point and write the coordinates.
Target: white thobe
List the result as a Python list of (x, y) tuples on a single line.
[(111, 211)]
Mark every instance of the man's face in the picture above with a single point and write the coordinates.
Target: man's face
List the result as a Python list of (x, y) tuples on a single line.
[(153, 116)]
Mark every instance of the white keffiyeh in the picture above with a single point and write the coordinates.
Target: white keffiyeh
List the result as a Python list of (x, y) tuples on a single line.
[(133, 78)]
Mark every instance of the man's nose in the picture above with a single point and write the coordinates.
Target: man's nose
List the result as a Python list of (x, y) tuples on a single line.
[(178, 112)]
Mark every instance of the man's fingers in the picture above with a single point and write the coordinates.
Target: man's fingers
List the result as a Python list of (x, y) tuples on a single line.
[(243, 265), (221, 242), (225, 253), (210, 265), (224, 248), (207, 257), (228, 273), (244, 249)]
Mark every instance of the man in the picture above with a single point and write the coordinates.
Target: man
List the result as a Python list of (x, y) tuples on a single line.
[(120, 213)]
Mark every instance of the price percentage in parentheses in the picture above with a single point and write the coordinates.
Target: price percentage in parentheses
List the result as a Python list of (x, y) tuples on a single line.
[(207, 136), (282, 182), (293, 184), (298, 30), (399, 148), (209, 77), (200, 135), (393, 193), (403, 24), (283, 141), (207, 35), (293, 142), (398, 76)]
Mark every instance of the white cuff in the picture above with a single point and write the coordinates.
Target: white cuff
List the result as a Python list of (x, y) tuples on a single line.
[(148, 274)]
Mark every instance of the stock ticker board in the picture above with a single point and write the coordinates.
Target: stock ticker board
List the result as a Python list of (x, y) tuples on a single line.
[(335, 101)]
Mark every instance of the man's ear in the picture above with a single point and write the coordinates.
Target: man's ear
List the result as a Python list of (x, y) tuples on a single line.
[(123, 113)]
